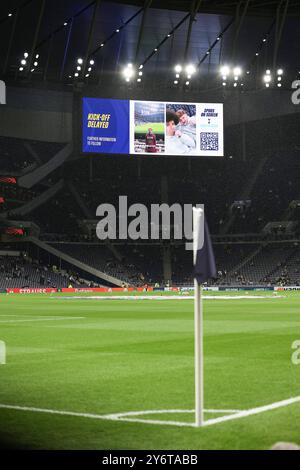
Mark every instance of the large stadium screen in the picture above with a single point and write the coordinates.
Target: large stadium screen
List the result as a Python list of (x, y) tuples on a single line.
[(152, 128)]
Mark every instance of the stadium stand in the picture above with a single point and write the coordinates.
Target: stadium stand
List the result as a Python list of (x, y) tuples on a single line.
[(100, 257), (23, 272), (68, 217), (17, 155)]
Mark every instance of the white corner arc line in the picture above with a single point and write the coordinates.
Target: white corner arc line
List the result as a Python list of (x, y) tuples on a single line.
[(155, 412), (154, 421), (125, 417)]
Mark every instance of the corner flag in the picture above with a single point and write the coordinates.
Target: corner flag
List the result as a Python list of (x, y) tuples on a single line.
[(204, 258), (204, 269)]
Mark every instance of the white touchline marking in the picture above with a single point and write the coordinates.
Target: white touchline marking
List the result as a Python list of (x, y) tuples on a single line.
[(55, 412), (253, 411), (125, 417), (42, 319), (116, 416)]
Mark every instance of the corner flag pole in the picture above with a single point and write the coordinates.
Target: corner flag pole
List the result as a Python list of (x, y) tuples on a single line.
[(198, 320)]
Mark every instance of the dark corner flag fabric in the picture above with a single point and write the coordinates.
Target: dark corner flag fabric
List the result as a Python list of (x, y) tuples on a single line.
[(205, 266)]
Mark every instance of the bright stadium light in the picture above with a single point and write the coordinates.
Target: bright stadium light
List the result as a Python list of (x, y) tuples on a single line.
[(128, 72), (235, 84), (237, 71), (279, 79), (78, 67), (139, 80), (267, 85), (89, 69), (9, 14), (224, 77), (175, 82), (92, 62), (267, 78), (187, 83), (35, 64), (21, 69), (141, 67), (279, 85), (178, 68), (101, 45), (87, 75), (190, 69), (279, 72), (140, 74), (26, 55), (23, 62), (76, 74), (225, 70), (224, 83), (80, 61), (268, 72), (65, 23), (37, 56)]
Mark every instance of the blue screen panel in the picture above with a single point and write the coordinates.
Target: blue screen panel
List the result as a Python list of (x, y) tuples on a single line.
[(105, 126)]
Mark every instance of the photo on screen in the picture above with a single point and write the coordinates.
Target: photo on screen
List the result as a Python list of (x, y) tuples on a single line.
[(181, 134), (149, 127)]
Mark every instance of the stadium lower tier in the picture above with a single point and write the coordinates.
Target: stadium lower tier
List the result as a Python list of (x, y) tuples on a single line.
[(88, 265)]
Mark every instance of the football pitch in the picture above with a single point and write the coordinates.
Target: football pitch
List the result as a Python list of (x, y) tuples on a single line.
[(87, 374), (157, 127)]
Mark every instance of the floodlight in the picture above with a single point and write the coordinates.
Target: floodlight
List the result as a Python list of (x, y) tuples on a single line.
[(190, 69), (225, 70)]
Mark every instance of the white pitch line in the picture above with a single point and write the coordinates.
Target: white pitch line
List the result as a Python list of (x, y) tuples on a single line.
[(155, 412), (123, 417), (253, 411), (154, 421), (42, 319), (54, 412), (114, 417)]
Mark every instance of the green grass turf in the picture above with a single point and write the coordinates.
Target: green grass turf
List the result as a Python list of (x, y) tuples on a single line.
[(130, 356), (157, 127)]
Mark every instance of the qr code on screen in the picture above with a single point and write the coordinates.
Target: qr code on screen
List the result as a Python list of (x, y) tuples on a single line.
[(209, 141)]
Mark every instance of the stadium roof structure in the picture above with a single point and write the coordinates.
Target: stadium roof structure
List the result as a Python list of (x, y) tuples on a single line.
[(88, 40), (223, 7)]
